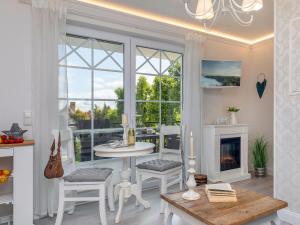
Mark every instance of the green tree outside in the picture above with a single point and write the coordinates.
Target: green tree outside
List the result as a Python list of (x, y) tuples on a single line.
[(147, 112)]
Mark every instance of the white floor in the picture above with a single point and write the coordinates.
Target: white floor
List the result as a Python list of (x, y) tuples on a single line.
[(87, 214)]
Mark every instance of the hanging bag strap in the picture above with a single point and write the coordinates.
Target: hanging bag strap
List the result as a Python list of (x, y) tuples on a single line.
[(52, 148), (54, 168), (58, 144)]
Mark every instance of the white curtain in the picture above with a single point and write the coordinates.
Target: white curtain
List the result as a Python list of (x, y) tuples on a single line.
[(48, 23), (192, 94)]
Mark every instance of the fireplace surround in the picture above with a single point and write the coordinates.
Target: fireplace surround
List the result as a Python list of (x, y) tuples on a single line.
[(225, 155)]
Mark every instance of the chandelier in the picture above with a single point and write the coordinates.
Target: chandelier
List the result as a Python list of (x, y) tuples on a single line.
[(207, 11)]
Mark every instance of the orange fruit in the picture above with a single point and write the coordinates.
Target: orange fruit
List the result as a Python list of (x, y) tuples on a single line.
[(6, 172), (3, 179)]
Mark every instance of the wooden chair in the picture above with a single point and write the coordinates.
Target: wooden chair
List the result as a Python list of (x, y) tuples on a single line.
[(165, 170), (81, 179)]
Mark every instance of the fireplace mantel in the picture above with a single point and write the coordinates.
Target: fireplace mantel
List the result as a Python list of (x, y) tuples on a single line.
[(220, 140)]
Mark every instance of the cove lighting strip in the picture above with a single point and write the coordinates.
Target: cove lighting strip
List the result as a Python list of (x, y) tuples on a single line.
[(172, 21)]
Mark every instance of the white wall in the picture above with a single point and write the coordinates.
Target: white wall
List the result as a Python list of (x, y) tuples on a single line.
[(256, 112), (262, 110), (15, 62)]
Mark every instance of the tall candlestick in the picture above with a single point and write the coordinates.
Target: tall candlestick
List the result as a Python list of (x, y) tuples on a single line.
[(124, 119), (125, 134), (192, 145), (191, 183)]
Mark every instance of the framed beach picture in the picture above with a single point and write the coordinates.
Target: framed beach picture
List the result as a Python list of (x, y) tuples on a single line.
[(216, 73)]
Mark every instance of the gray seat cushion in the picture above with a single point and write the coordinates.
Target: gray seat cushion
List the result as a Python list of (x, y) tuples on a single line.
[(159, 165), (88, 175)]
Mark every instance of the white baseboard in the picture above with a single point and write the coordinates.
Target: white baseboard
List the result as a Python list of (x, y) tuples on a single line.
[(289, 216)]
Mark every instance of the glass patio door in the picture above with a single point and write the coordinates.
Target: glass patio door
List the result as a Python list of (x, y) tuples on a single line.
[(109, 75), (97, 67), (157, 90)]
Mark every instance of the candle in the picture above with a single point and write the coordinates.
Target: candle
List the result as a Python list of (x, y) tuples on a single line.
[(191, 145), (124, 119)]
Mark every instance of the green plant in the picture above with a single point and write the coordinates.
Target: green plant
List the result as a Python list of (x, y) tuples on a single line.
[(232, 109), (77, 147), (260, 156)]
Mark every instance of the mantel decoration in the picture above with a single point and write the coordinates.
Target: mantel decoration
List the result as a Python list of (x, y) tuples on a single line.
[(261, 84), (191, 183), (233, 110), (207, 11)]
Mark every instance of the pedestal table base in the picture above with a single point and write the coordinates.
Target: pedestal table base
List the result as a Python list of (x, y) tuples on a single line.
[(125, 190)]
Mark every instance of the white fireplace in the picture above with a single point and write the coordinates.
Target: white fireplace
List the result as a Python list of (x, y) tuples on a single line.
[(225, 156)]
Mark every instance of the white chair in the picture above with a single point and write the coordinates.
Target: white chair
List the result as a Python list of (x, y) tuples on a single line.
[(81, 179), (165, 170)]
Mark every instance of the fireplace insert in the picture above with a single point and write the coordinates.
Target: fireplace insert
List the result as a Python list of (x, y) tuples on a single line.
[(230, 155)]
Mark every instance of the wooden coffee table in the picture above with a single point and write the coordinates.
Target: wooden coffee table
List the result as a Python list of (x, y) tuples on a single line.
[(251, 208)]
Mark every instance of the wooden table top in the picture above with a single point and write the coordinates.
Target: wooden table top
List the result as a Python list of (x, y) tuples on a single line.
[(250, 206), (25, 143)]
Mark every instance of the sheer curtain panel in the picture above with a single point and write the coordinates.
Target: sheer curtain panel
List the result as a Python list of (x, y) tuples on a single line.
[(192, 94), (48, 23)]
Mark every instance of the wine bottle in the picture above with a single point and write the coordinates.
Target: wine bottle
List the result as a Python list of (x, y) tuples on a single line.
[(131, 136)]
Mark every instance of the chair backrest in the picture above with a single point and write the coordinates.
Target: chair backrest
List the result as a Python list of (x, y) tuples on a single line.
[(67, 146), (173, 134)]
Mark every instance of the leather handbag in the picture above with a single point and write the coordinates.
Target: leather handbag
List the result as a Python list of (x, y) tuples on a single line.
[(54, 168)]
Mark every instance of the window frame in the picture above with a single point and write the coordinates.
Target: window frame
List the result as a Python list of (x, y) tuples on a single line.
[(138, 42), (129, 67), (110, 37)]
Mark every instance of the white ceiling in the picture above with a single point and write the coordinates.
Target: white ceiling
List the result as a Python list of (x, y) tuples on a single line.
[(262, 25)]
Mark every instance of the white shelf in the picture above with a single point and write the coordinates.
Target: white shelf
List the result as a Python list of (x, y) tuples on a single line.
[(6, 152), (6, 198)]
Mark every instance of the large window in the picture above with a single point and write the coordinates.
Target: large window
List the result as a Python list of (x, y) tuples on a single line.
[(97, 70), (95, 95)]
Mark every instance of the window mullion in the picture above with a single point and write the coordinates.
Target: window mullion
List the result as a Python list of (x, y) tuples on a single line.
[(160, 77), (132, 76), (92, 102)]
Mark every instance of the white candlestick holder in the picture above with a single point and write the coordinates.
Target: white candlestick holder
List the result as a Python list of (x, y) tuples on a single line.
[(125, 133), (191, 183)]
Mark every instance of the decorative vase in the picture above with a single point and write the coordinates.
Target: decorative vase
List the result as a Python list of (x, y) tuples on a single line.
[(15, 131), (260, 172), (233, 120)]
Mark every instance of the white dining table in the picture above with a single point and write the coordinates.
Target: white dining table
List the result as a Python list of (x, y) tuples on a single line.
[(125, 188)]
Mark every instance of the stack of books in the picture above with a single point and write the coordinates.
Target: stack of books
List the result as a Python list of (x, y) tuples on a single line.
[(221, 192)]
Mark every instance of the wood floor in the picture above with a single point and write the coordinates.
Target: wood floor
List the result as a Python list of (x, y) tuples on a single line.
[(87, 214)]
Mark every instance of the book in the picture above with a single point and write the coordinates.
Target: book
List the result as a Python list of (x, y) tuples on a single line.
[(221, 192), (219, 187)]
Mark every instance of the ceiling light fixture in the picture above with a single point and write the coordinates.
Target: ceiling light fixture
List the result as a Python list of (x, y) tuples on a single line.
[(207, 11)]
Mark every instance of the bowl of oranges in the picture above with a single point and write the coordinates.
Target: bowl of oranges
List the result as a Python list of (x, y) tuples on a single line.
[(4, 175)]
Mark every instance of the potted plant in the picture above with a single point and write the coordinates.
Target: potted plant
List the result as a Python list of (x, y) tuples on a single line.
[(260, 156), (233, 110)]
